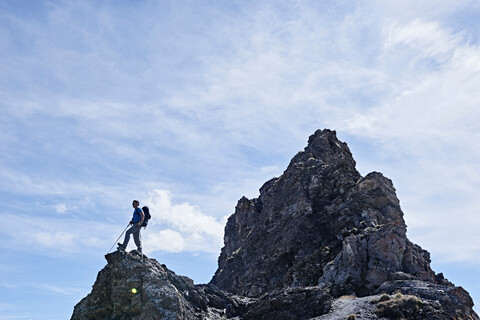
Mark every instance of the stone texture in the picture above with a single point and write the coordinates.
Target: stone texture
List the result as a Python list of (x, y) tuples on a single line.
[(319, 242), (161, 294), (320, 223)]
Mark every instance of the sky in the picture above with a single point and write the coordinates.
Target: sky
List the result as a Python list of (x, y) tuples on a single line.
[(189, 105)]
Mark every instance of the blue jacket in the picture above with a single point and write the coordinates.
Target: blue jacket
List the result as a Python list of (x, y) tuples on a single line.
[(137, 216)]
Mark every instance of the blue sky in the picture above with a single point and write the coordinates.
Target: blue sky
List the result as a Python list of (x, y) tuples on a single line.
[(190, 105)]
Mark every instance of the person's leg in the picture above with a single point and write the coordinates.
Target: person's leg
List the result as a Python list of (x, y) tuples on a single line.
[(127, 237), (137, 237)]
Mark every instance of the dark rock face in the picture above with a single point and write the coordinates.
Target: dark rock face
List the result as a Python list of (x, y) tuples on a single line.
[(320, 242), (319, 224), (160, 293)]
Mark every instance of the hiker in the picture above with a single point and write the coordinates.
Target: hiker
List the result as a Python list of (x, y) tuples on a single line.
[(136, 225)]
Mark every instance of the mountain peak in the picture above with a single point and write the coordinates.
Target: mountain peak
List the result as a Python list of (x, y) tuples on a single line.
[(317, 234), (320, 224), (324, 146)]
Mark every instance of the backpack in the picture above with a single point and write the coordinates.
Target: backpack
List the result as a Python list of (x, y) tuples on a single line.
[(146, 212)]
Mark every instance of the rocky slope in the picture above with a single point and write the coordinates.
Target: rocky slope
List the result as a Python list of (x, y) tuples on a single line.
[(320, 242)]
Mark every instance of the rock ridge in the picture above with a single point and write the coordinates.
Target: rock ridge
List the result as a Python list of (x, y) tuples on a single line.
[(319, 242)]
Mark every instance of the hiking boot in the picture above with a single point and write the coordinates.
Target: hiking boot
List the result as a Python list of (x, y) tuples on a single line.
[(121, 247)]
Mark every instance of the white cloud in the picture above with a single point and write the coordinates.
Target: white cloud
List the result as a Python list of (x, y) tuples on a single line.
[(431, 110), (427, 38), (189, 229), (163, 240), (61, 208)]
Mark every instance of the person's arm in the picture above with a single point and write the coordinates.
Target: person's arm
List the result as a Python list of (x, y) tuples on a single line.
[(142, 216)]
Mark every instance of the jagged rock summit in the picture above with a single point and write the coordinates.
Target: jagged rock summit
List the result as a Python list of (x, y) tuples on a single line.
[(320, 224), (320, 242)]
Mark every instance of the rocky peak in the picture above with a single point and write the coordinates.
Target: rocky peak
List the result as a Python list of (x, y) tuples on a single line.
[(324, 147), (320, 224), (319, 240)]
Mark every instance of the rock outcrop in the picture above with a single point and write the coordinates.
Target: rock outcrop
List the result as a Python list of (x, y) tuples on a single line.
[(320, 241), (135, 287)]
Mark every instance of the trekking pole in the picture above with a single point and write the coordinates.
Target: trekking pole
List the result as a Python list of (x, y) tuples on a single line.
[(119, 237)]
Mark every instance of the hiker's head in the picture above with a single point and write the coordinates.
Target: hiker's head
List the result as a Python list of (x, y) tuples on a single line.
[(135, 203)]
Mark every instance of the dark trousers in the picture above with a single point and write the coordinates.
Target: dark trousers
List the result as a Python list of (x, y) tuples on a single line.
[(137, 237)]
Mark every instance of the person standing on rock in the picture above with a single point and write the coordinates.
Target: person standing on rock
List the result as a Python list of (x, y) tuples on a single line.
[(136, 225)]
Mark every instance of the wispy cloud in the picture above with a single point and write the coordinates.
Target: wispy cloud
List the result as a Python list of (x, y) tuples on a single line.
[(67, 291), (205, 119), (189, 107), (55, 236), (61, 208)]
